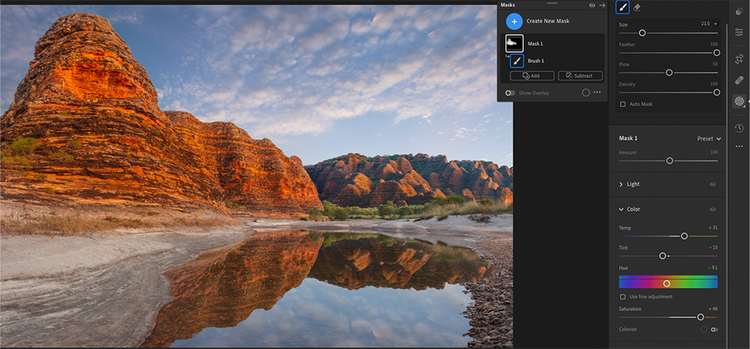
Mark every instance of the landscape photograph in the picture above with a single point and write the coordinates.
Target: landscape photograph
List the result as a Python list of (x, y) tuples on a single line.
[(254, 176)]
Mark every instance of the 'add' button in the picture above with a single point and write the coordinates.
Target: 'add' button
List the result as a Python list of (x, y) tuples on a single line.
[(514, 21)]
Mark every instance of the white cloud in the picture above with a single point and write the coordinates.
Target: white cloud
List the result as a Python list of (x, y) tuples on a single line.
[(326, 69), (421, 111), (318, 40)]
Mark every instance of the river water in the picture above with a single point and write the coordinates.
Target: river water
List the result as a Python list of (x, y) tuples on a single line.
[(316, 289)]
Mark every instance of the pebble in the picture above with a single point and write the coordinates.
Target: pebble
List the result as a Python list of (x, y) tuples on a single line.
[(491, 315)]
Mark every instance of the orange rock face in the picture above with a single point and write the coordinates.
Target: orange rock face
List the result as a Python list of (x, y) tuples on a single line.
[(103, 138), (356, 180)]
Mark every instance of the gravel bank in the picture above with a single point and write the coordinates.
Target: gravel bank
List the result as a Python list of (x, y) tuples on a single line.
[(491, 316)]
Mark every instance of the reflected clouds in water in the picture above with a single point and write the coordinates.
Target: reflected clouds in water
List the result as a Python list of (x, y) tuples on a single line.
[(317, 314)]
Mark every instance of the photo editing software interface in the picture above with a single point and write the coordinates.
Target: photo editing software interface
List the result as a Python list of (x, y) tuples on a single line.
[(673, 79)]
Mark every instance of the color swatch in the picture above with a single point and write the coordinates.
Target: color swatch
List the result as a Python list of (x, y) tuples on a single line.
[(669, 281)]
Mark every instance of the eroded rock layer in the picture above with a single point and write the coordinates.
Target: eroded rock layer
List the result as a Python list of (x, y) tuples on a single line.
[(102, 137), (357, 180)]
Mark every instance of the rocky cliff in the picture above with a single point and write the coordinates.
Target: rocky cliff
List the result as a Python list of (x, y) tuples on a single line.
[(357, 180), (98, 135)]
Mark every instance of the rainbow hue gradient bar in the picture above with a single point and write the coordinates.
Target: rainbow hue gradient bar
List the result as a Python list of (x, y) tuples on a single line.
[(669, 281)]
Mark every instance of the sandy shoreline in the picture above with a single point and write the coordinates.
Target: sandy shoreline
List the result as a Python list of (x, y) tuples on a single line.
[(105, 289)]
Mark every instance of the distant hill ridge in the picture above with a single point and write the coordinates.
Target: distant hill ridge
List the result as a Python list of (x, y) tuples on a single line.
[(358, 180)]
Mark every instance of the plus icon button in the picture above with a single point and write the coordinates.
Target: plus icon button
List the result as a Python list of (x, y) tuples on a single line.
[(514, 21)]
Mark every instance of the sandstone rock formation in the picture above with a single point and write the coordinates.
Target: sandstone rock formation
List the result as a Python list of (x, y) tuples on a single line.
[(102, 137), (357, 180)]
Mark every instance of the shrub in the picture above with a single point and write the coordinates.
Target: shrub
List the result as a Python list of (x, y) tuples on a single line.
[(386, 210), (339, 214), (417, 209), (360, 211), (439, 202), (456, 199), (315, 213), (61, 155), (25, 165), (328, 208), (234, 205), (24, 146), (405, 211)]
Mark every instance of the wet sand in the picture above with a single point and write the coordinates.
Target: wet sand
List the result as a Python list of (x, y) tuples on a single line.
[(105, 289)]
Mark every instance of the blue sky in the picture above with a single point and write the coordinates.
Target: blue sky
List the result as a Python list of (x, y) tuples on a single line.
[(319, 81)]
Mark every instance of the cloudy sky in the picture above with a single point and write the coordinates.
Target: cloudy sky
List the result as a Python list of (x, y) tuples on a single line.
[(319, 81)]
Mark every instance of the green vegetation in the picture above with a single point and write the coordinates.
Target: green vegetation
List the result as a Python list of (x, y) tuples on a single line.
[(465, 209), (339, 214), (316, 216), (442, 208), (387, 209), (234, 205), (332, 211), (450, 199), (24, 146), (357, 211), (25, 165), (61, 155), (423, 169), (405, 211)]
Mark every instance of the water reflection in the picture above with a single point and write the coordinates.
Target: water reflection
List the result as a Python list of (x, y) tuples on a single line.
[(354, 261), (215, 294)]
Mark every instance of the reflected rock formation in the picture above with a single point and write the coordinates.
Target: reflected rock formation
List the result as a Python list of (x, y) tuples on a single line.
[(382, 261), (223, 286)]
